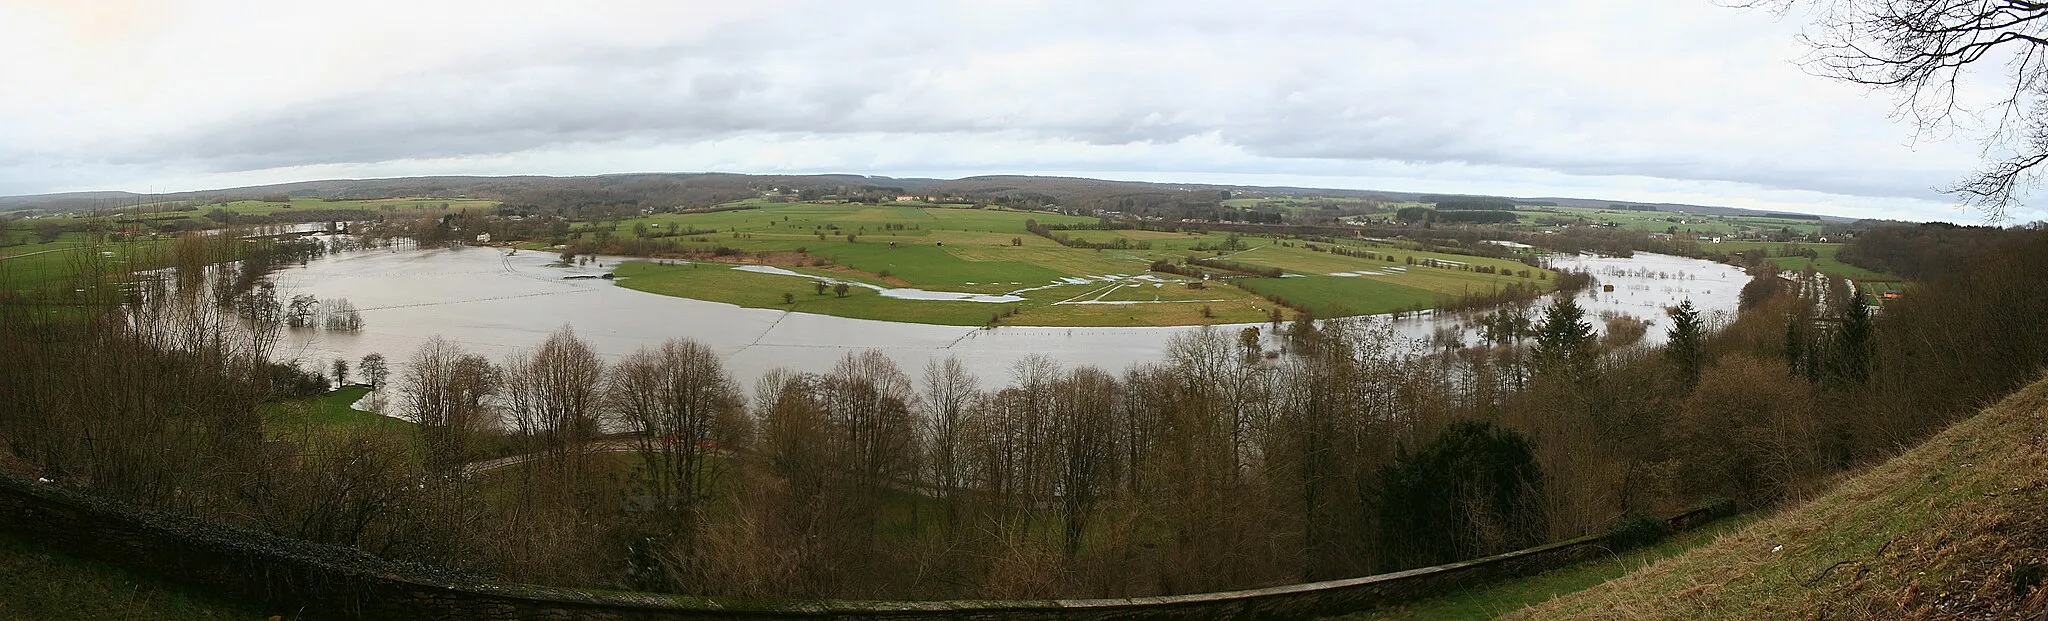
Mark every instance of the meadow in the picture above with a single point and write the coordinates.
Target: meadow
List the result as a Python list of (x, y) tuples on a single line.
[(943, 248), (1676, 223), (1825, 262)]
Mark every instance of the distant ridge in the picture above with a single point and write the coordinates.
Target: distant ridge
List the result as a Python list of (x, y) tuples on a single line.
[(1055, 188)]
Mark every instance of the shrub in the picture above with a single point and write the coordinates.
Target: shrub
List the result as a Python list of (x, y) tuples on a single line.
[(1636, 530)]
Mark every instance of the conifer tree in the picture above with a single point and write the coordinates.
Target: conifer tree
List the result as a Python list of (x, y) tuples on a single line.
[(1682, 347)]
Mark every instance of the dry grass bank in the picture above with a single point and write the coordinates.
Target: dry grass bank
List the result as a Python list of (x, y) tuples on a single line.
[(1956, 528)]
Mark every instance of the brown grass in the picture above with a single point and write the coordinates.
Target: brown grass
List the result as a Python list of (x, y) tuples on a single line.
[(1955, 528)]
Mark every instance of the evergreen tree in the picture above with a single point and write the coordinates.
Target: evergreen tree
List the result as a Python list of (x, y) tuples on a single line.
[(1564, 343), (1474, 490), (1795, 342), (1852, 350), (1683, 347)]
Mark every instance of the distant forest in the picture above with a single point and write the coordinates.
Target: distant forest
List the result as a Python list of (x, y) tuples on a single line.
[(614, 196)]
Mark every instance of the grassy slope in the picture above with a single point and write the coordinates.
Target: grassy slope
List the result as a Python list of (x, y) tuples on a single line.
[(1493, 600), (1955, 528), (38, 585)]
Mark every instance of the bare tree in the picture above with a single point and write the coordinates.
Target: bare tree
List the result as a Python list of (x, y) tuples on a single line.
[(869, 407), (950, 394), (340, 316), (1083, 416), (1933, 55), (554, 395), (373, 370), (444, 390), (677, 397)]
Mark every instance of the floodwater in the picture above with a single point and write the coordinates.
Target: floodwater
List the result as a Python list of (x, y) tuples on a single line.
[(496, 304)]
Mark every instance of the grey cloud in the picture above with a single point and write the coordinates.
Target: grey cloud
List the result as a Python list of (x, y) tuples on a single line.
[(1329, 82)]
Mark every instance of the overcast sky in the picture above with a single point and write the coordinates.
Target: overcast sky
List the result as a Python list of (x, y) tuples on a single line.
[(1684, 102)]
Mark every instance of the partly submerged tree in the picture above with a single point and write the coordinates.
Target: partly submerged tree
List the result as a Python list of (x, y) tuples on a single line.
[(373, 370), (1951, 64)]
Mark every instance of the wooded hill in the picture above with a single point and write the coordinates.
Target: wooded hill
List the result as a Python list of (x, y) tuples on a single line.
[(693, 190)]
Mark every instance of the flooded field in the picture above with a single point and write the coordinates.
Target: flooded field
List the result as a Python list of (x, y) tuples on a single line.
[(495, 304)]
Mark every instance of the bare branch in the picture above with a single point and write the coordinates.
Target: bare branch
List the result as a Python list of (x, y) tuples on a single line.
[(1929, 53)]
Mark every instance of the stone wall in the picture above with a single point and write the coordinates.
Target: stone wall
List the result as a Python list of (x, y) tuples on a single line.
[(299, 575)]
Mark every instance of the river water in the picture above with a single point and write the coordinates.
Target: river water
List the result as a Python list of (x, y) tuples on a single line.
[(497, 304)]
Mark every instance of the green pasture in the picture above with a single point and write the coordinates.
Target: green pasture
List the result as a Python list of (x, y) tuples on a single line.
[(1337, 296), (332, 411), (1826, 263), (152, 216), (1177, 304), (1293, 202), (990, 251), (771, 220), (1450, 276), (59, 267), (1667, 221)]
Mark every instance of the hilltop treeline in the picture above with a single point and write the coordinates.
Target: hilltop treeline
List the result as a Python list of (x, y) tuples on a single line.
[(1275, 454), (1923, 250), (1470, 203), (1466, 214)]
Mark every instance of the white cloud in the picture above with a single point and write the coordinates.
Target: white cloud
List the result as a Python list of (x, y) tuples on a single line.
[(1582, 97)]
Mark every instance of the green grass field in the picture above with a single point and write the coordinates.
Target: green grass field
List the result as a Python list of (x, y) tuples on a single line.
[(63, 271), (1826, 263), (21, 236), (332, 410), (318, 421), (28, 263), (990, 251), (1332, 296), (1176, 304), (1682, 224)]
